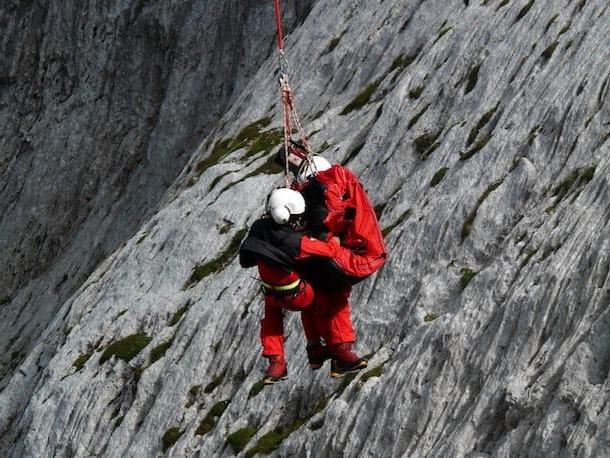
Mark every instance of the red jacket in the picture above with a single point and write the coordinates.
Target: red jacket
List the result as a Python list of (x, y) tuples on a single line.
[(349, 214)]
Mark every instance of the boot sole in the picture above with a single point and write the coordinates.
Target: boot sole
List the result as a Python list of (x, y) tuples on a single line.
[(273, 380), (340, 374)]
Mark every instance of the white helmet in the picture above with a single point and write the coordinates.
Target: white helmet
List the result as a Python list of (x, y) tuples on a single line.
[(317, 164), (284, 202)]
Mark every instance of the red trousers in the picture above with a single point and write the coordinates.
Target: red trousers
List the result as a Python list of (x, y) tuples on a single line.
[(328, 316)]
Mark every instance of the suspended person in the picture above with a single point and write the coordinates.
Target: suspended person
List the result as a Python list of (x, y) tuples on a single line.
[(338, 206), (274, 244), (339, 212)]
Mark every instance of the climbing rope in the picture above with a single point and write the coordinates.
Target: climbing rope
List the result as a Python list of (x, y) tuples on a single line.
[(290, 116)]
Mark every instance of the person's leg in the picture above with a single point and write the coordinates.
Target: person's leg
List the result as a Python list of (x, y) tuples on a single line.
[(334, 305), (272, 339), (340, 335), (317, 352)]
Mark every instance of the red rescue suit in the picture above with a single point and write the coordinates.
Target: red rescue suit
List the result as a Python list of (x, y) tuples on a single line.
[(336, 202), (324, 314)]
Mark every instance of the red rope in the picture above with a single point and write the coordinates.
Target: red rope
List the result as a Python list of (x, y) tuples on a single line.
[(291, 119), (278, 21)]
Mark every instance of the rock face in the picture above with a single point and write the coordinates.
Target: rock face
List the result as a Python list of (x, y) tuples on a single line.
[(481, 130), (100, 108)]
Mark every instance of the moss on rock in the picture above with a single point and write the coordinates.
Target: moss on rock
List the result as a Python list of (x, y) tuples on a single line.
[(203, 270), (159, 351), (126, 348), (80, 362), (438, 177), (178, 315), (240, 438), (216, 381), (363, 97), (170, 437), (467, 276), (209, 421), (256, 388)]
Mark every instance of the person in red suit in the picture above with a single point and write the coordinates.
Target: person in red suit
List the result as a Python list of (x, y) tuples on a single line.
[(289, 263)]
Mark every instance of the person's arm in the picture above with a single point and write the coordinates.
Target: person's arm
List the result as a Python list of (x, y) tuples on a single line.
[(313, 247)]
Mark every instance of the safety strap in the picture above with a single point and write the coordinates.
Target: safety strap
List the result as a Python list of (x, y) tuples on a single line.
[(282, 288)]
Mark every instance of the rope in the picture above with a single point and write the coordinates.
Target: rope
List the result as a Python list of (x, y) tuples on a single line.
[(278, 23), (290, 116)]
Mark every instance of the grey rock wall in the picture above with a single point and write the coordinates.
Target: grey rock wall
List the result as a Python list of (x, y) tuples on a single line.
[(481, 132), (101, 105)]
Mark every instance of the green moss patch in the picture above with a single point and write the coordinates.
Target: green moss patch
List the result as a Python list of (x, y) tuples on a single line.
[(523, 11), (252, 137), (379, 209), (548, 52), (565, 28), (587, 174), (332, 45), (192, 394), (316, 425), (416, 92), (472, 78), (119, 315), (80, 362), (240, 438), (266, 141), (363, 97), (402, 62), (562, 189), (353, 153), (438, 176), (272, 440), (345, 382), (478, 146), (529, 254), (209, 421), (195, 389), (323, 147), (374, 372), (466, 276), (126, 348), (170, 437), (203, 270), (386, 231), (430, 317), (467, 227), (426, 144), (178, 315), (159, 351), (548, 24), (216, 381), (418, 115), (571, 184), (502, 4), (256, 389), (474, 133), (137, 373), (442, 33)]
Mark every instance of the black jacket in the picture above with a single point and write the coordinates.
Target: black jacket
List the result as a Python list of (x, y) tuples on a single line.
[(277, 245)]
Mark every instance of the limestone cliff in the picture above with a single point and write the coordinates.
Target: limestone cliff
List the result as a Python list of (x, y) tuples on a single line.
[(481, 131)]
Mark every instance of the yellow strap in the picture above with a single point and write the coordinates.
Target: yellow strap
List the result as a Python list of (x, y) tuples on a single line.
[(287, 287)]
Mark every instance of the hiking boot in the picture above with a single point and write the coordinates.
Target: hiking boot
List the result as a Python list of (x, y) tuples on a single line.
[(345, 360), (317, 353), (276, 371)]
